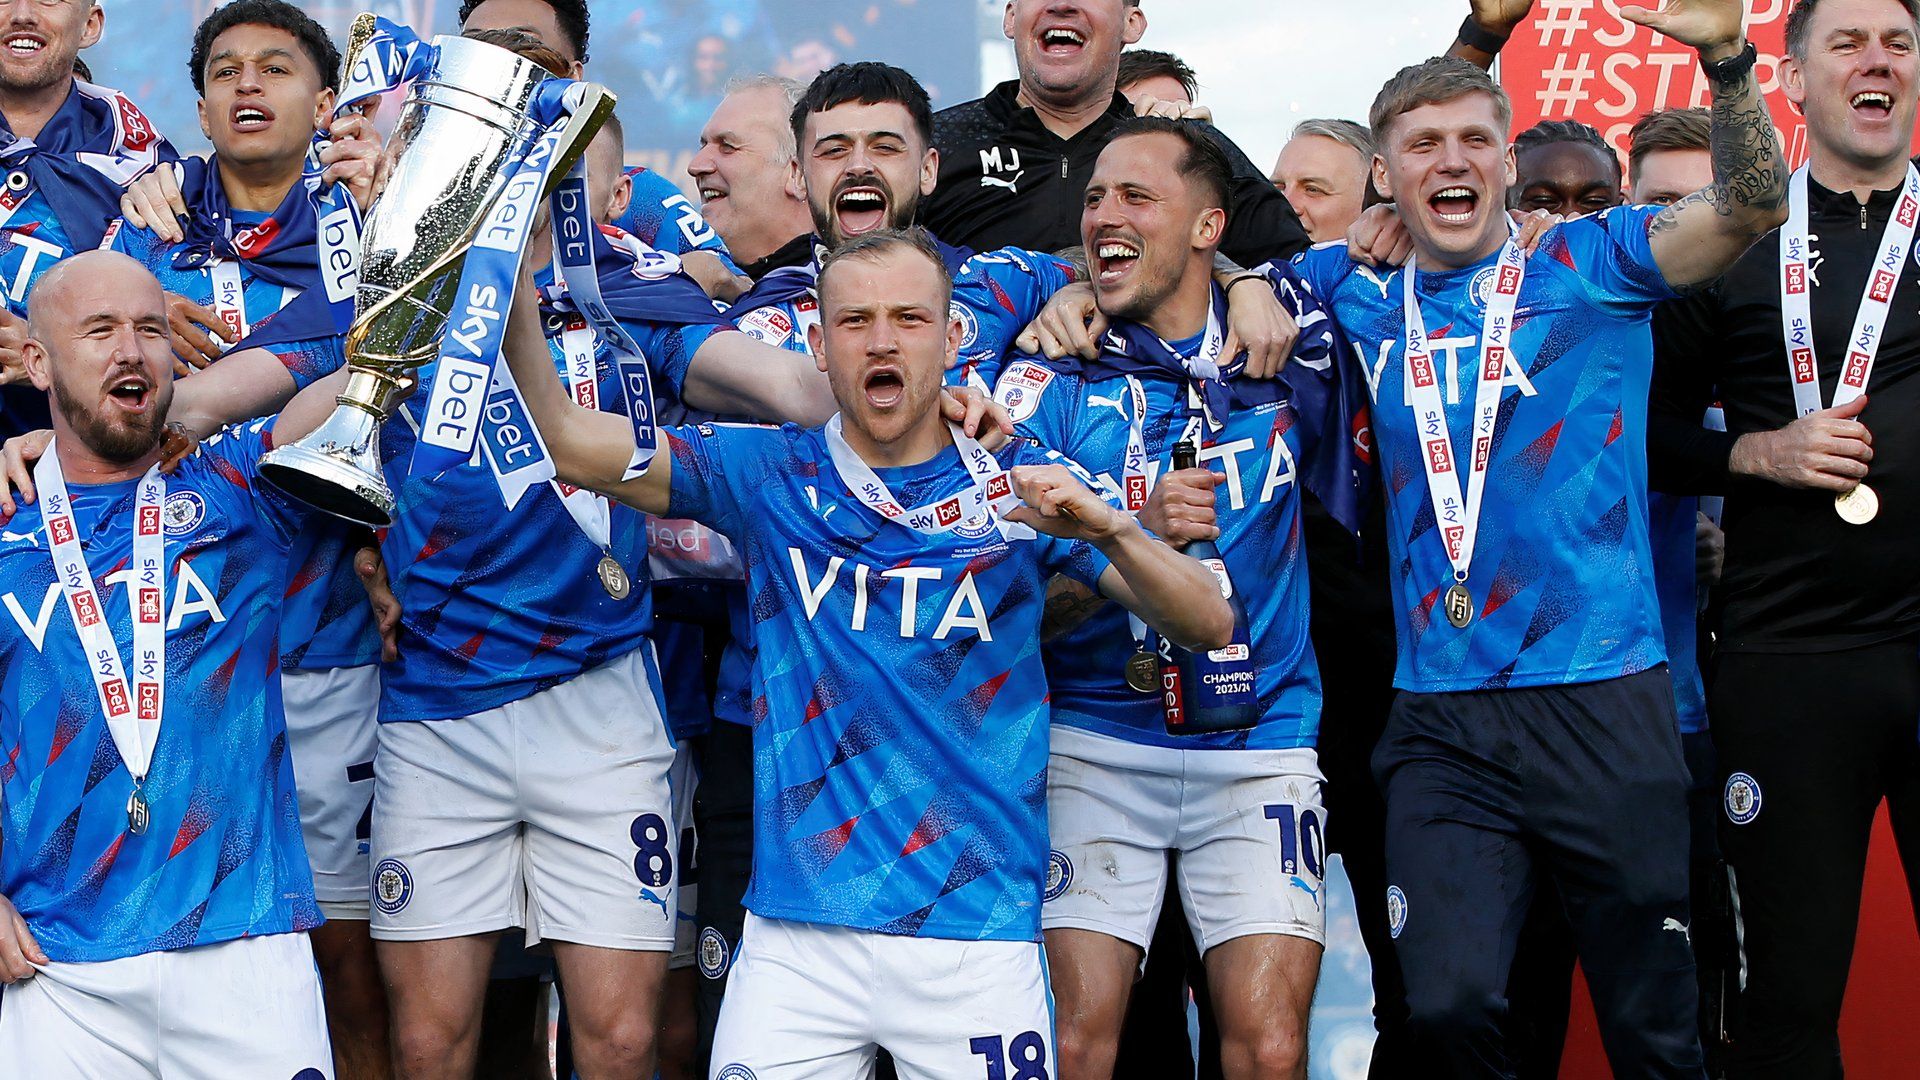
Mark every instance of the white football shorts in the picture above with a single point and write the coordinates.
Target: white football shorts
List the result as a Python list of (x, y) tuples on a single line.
[(551, 813), (247, 1007), (1246, 829), (333, 716), (813, 1002)]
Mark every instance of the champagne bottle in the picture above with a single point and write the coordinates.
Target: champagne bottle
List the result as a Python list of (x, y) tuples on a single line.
[(1216, 690)]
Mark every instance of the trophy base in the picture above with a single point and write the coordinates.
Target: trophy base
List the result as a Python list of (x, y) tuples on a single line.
[(336, 469)]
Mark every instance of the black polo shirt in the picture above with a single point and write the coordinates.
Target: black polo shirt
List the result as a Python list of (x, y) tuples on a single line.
[(1007, 181), (1797, 578)]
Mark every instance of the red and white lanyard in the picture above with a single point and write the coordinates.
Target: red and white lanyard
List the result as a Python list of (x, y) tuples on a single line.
[(133, 714), (1459, 519), (1869, 322), (1134, 467), (589, 510), (990, 494), (229, 298)]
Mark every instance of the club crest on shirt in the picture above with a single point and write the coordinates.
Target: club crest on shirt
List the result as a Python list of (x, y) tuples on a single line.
[(713, 954), (735, 1071), (1059, 875), (183, 513), (977, 527), (392, 886), (1481, 287), (1396, 910), (1742, 798), (969, 325)]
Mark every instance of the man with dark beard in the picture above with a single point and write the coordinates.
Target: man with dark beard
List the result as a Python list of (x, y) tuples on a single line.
[(157, 899)]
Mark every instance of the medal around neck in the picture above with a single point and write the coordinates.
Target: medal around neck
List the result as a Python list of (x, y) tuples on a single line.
[(1143, 672), (1857, 507), (1459, 605), (613, 577)]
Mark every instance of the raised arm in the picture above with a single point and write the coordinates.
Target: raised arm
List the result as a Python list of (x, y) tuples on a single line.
[(590, 448), (1699, 237), (732, 374), (239, 387), (1488, 26)]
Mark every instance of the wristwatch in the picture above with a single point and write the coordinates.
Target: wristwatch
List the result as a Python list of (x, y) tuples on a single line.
[(1733, 67)]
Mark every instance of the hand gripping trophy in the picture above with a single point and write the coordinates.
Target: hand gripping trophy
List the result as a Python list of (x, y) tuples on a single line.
[(476, 120)]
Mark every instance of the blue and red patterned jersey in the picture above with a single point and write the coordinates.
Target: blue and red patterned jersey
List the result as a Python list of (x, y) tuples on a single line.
[(995, 295), (223, 857), (665, 219), (1562, 577), (900, 708), (500, 604), (327, 622)]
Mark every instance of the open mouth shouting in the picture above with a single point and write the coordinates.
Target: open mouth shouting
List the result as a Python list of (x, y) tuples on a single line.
[(860, 208), (885, 387), (131, 393), (1454, 205), (249, 116), (1113, 259), (1062, 41), (22, 44), (1872, 104)]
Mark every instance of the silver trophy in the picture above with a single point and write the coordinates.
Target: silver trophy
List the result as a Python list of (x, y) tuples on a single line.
[(460, 130)]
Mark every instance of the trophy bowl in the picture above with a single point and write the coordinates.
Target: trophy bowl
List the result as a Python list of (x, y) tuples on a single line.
[(461, 131)]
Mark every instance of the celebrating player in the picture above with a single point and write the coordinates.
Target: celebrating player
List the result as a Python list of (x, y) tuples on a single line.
[(1236, 815), (1534, 733), (156, 887), (902, 746)]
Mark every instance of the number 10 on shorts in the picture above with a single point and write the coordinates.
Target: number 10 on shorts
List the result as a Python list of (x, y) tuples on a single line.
[(1027, 1054), (1302, 846)]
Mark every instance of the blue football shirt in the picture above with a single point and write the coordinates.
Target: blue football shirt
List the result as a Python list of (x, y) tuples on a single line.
[(1562, 576), (900, 705), (499, 604), (223, 857)]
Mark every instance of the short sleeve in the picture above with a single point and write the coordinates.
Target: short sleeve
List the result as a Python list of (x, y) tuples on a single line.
[(310, 361), (235, 454), (1041, 409), (995, 295), (717, 469), (1611, 255)]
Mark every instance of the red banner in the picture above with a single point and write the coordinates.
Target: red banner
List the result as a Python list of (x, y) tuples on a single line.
[(1579, 60)]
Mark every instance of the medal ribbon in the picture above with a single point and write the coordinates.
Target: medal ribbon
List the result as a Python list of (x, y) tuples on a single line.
[(991, 492), (588, 509), (229, 298), (1459, 520), (133, 713), (1869, 320)]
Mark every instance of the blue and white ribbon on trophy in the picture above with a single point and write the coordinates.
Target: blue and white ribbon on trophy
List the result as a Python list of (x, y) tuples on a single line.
[(576, 270)]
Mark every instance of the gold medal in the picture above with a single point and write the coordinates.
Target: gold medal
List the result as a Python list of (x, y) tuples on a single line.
[(1143, 672), (1459, 605), (613, 578), (137, 815), (1857, 507)]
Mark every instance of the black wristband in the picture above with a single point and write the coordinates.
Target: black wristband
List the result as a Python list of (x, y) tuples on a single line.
[(1475, 36), (1252, 275), (1733, 68)]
